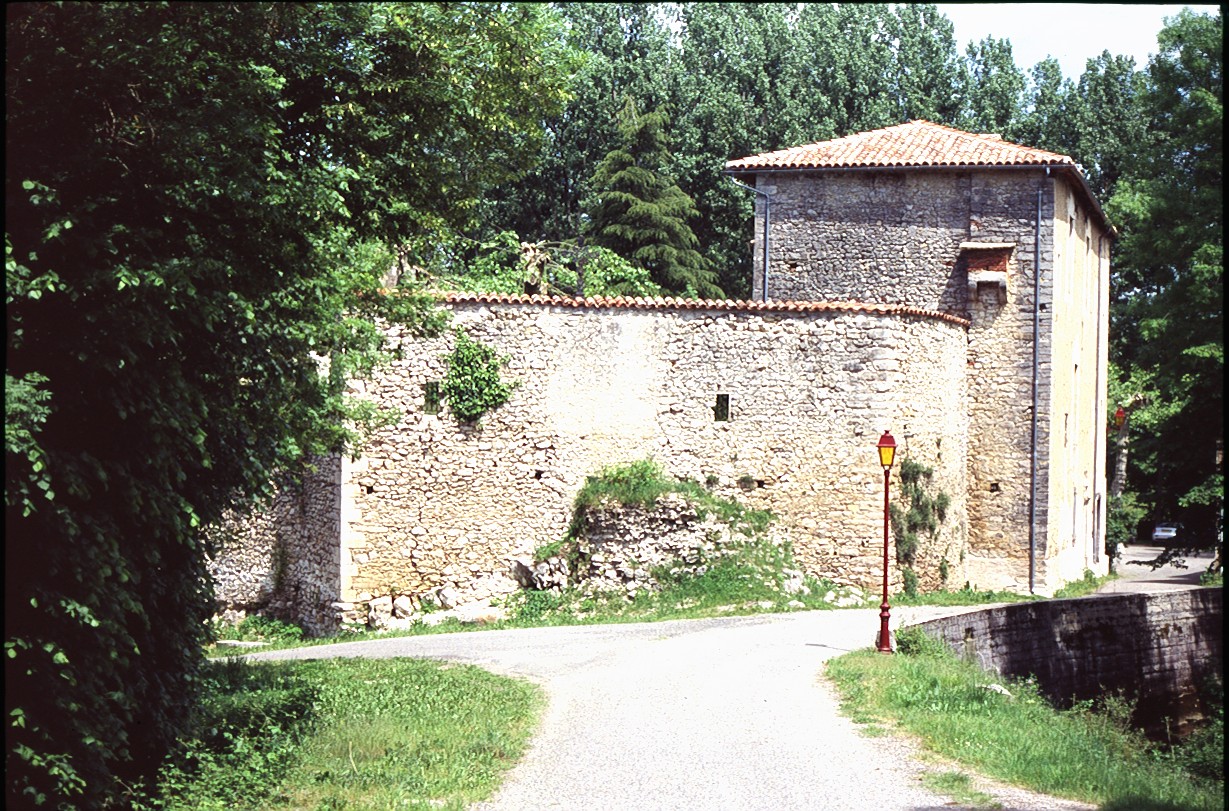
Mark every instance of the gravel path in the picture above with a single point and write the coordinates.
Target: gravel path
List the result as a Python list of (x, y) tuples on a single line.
[(713, 715)]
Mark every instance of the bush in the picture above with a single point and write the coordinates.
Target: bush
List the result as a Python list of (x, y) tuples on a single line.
[(530, 605), (911, 581), (257, 628), (1203, 753)]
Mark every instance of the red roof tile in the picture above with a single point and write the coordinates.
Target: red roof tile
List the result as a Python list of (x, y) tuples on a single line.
[(916, 143), (637, 303)]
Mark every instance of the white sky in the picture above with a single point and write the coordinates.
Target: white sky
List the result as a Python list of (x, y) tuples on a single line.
[(1072, 33)]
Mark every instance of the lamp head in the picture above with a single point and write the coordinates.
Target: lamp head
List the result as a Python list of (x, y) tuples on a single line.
[(887, 450)]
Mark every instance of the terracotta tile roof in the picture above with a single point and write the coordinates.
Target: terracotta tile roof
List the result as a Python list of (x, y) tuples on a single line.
[(715, 305), (916, 143)]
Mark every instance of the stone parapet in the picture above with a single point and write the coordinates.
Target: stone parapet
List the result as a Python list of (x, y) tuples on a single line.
[(1157, 648)]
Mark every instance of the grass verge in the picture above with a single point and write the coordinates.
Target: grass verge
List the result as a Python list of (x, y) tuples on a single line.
[(348, 734), (1084, 754), (750, 578)]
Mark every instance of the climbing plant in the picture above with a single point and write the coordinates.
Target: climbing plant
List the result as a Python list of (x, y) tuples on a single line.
[(473, 385), (916, 512)]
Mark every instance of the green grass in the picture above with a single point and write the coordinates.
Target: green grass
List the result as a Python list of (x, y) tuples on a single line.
[(349, 734), (352, 734), (958, 786), (1083, 587), (969, 596), (1082, 754), (965, 596), (642, 483)]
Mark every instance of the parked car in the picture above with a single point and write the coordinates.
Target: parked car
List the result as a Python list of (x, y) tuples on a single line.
[(1165, 534)]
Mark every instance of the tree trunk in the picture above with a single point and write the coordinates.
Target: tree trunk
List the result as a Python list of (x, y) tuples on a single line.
[(1120, 463)]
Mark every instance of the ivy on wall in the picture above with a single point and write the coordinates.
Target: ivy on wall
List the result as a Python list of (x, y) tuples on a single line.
[(916, 511), (473, 384)]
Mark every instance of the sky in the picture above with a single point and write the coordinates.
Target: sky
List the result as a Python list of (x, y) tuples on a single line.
[(1072, 33)]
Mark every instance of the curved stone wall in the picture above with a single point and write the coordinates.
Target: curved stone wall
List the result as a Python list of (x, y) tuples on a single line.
[(434, 504)]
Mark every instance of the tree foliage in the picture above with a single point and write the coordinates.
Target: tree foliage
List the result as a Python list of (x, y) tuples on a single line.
[(200, 202), (642, 215), (734, 79), (504, 264), (1168, 298)]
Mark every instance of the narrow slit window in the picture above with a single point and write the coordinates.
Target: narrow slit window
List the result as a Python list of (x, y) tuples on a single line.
[(721, 411), (431, 397)]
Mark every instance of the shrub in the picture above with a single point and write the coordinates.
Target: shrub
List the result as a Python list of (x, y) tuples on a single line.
[(911, 582), (257, 628)]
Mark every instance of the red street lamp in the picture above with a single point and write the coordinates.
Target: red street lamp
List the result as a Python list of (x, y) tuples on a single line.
[(1120, 417), (887, 454)]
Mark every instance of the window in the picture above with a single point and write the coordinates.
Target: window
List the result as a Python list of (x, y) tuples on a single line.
[(721, 411)]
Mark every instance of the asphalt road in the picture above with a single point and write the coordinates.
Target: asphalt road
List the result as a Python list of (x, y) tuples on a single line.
[(726, 714), (1135, 577)]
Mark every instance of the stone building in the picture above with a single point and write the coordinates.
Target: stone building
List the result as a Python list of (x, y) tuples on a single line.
[(1010, 238), (949, 287)]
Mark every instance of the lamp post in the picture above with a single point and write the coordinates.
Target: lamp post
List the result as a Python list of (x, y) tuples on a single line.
[(887, 454)]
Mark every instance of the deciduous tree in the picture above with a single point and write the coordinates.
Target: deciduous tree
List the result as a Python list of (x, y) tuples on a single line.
[(1168, 297), (199, 200)]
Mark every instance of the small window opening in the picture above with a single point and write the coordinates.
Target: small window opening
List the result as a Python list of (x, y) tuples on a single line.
[(431, 397), (370, 489), (994, 487), (721, 411)]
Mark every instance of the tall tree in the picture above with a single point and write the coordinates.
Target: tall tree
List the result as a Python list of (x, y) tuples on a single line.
[(625, 52), (992, 88), (1112, 122), (1168, 297), (738, 90), (197, 199), (640, 214), (927, 64), (1054, 113)]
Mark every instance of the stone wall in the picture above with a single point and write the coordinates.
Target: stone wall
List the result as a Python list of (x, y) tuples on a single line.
[(883, 236), (434, 504), (1160, 648), (284, 560), (621, 547), (1006, 211)]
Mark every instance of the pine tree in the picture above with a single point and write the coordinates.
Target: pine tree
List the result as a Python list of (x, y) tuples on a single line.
[(642, 215)]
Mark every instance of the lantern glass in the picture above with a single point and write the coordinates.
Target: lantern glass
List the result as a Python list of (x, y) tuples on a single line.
[(887, 449)]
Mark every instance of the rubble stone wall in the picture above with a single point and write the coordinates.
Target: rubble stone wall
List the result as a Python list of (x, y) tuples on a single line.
[(882, 236), (284, 560), (438, 505), (902, 236)]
